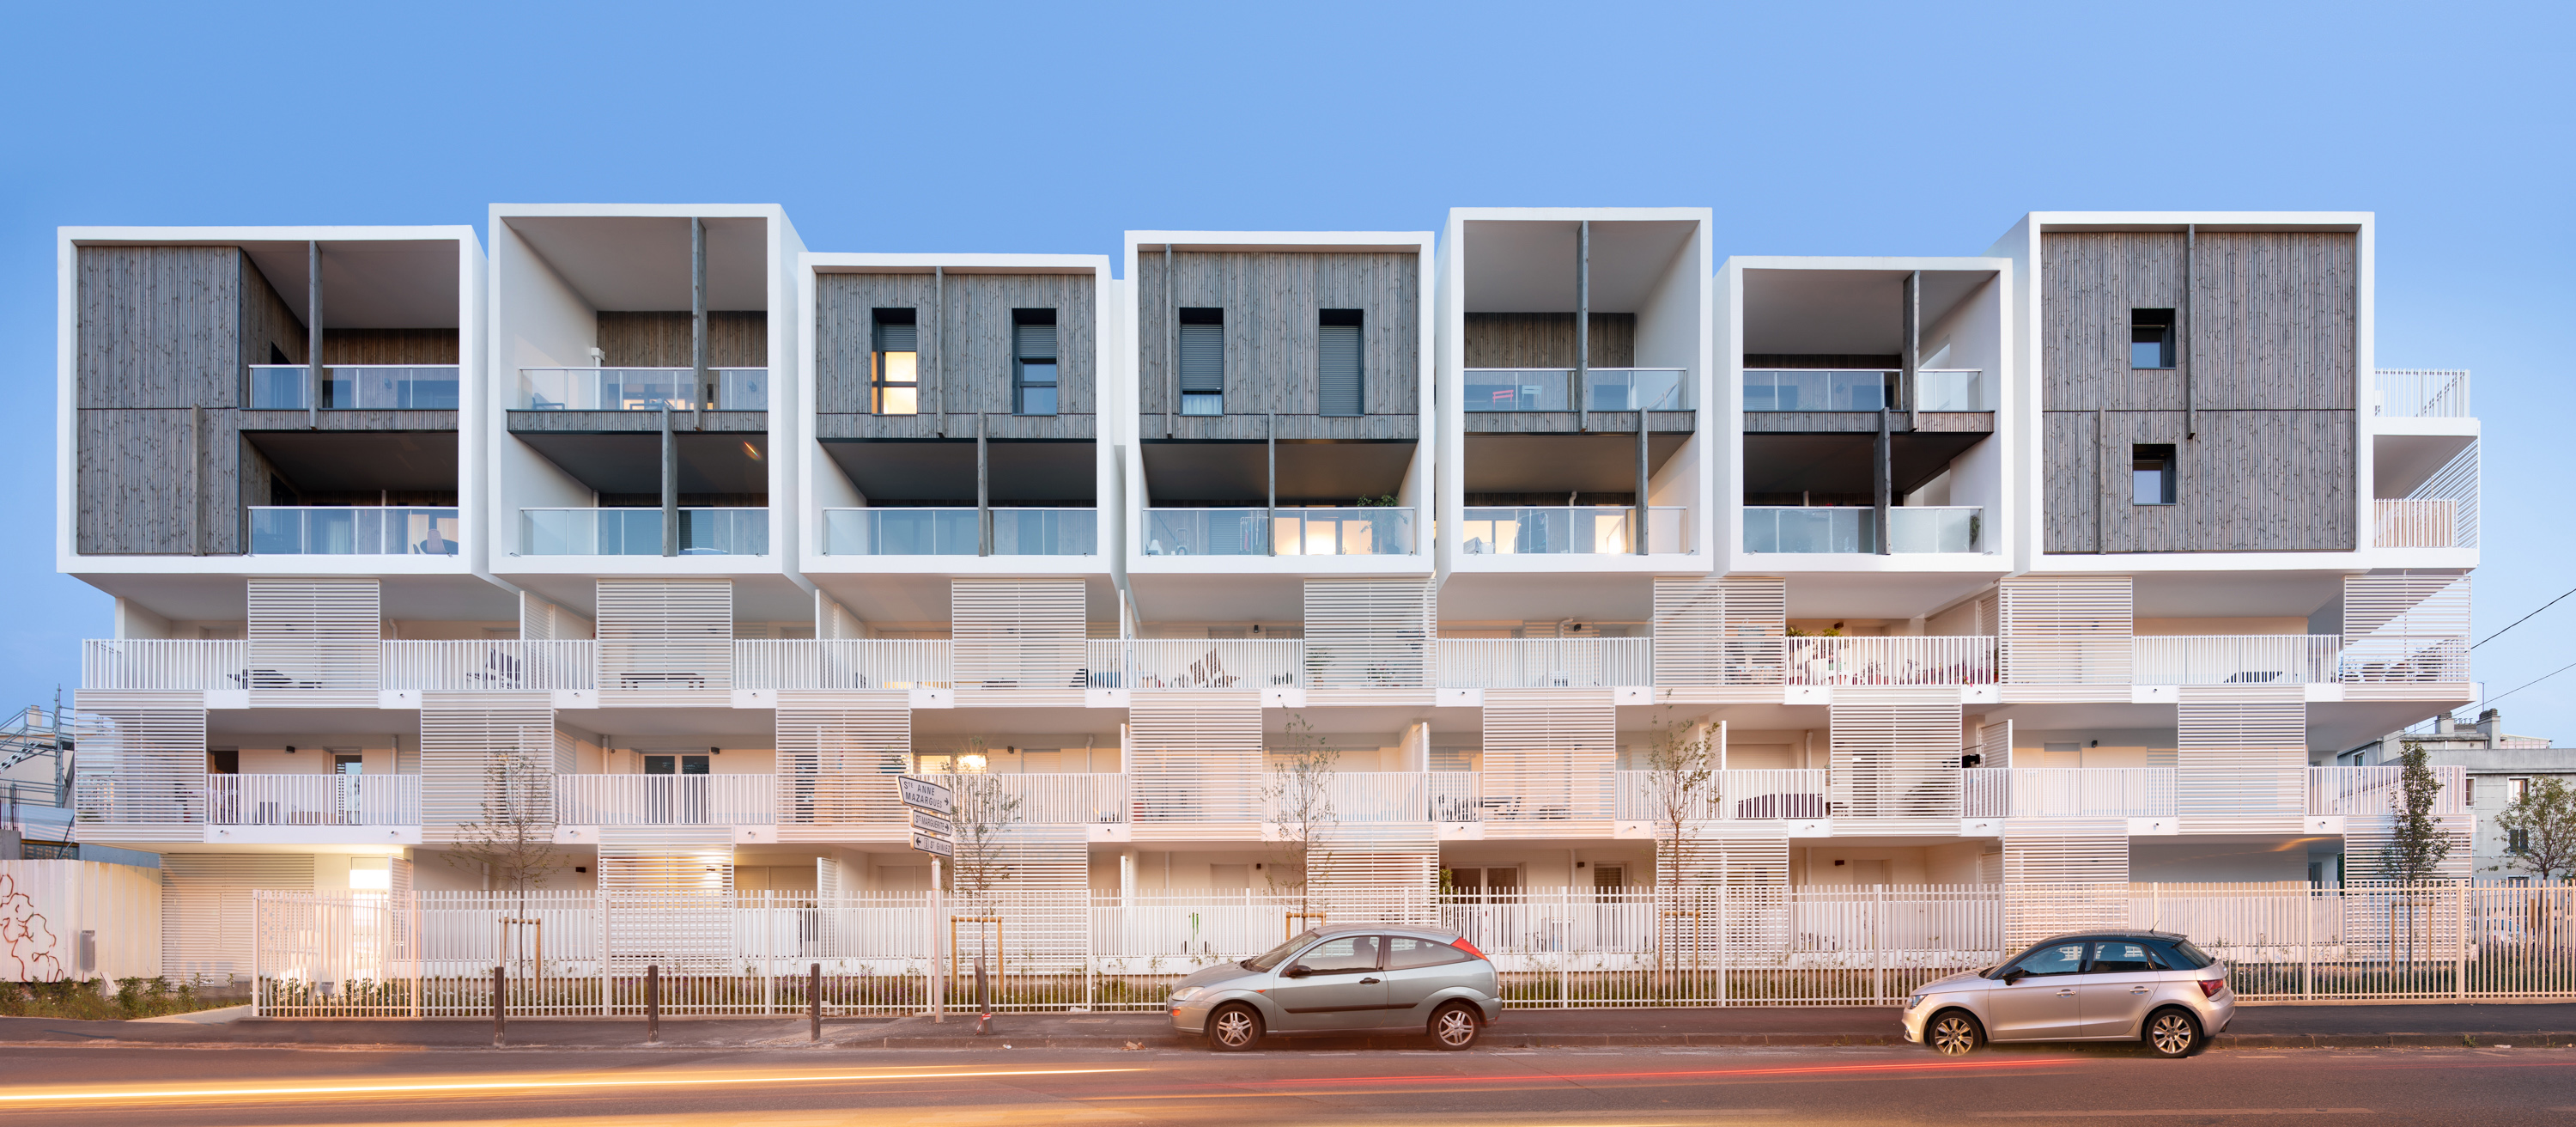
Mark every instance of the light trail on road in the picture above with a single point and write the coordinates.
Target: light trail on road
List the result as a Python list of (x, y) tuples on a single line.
[(561, 1084)]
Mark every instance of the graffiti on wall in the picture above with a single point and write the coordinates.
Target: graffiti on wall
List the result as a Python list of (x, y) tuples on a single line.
[(26, 937)]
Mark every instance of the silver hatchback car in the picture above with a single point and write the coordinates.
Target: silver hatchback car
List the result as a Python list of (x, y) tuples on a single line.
[(2089, 986), (1353, 979)]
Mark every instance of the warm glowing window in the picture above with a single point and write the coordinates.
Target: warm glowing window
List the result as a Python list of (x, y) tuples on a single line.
[(894, 377)]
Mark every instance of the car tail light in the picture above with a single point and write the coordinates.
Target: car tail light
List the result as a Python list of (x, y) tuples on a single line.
[(2209, 987), (1469, 948)]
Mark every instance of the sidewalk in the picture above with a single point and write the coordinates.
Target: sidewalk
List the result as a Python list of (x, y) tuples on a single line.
[(2530, 1026)]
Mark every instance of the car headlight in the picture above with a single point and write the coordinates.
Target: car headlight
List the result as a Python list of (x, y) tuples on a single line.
[(1915, 1002), (1184, 993)]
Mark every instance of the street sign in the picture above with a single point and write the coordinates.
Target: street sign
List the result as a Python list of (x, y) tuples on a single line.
[(922, 794), (924, 822), (936, 846)]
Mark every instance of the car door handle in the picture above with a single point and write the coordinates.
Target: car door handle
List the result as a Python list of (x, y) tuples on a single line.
[(2065, 993), (2141, 990), (1368, 982)]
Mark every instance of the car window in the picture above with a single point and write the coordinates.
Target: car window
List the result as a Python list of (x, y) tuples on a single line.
[(2193, 958), (2120, 956), (1348, 953), (1271, 958), (2056, 958), (1404, 952)]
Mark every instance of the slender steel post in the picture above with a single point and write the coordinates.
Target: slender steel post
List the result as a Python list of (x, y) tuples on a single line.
[(1637, 394), (2182, 337), (312, 335), (1910, 381), (938, 347), (500, 1011), (670, 485), (1582, 323), (814, 1000), (652, 1002), (1171, 342), (1886, 476), (697, 320), (983, 493), (1270, 516)]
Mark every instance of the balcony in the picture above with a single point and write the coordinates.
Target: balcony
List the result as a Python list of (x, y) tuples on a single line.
[(1193, 663), (355, 387), (1546, 663), (1864, 389), (842, 663), (1366, 797), (1068, 799), (2369, 792), (1603, 530), (193, 664), (665, 800), (953, 532), (489, 665), (343, 530), (1926, 660), (2068, 792), (641, 389), (2412, 393), (638, 532), (2222, 659), (1853, 530), (313, 800), (1359, 531), (2416, 523), (1552, 389), (1756, 794)]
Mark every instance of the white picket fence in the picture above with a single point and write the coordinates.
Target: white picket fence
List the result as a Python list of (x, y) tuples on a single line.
[(581, 953)]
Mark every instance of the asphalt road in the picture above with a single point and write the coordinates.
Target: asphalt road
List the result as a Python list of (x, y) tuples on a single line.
[(812, 1088)]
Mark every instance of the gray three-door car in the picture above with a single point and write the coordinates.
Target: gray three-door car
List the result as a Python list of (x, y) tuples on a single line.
[(1352, 979), (2150, 986)]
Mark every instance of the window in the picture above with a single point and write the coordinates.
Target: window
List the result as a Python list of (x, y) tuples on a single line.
[(1337, 362), (1033, 383), (2515, 789), (1405, 952), (1347, 955), (2120, 956), (2517, 841), (895, 376), (1202, 361), (675, 764), (2151, 338), (2151, 475), (2056, 958)]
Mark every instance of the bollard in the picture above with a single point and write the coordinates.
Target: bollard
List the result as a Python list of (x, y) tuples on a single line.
[(814, 999), (500, 1020), (652, 1003)]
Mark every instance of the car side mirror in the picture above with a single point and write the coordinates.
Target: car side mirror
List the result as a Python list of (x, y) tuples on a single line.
[(2014, 976), (1296, 970)]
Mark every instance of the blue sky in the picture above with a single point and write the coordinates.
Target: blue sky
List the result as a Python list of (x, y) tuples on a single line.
[(1812, 129)]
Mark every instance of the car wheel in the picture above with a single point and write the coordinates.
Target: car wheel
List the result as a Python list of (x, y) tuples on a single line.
[(1234, 1028), (1455, 1026), (2173, 1033), (1953, 1033)]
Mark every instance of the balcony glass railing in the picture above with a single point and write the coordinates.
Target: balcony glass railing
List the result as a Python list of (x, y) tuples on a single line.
[(1936, 528), (1951, 389), (1596, 530), (355, 387), (329, 530), (1552, 389), (1359, 531), (1819, 389), (1207, 532), (638, 532), (641, 389), (1844, 530), (952, 532)]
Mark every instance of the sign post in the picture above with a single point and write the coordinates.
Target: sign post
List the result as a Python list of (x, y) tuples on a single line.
[(933, 805)]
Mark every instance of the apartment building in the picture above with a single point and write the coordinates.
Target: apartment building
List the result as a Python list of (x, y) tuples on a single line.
[(675, 544)]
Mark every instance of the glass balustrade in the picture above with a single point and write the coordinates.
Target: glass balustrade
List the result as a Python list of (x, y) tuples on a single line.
[(953, 532), (638, 532), (1552, 389), (1339, 531), (1951, 390), (341, 530), (1207, 532), (1847, 530), (1941, 528), (1571, 530), (641, 389), (1819, 389), (355, 387)]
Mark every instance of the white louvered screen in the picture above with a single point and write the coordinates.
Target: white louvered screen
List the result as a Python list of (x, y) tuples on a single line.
[(2367, 840), (668, 893), (1995, 743), (1989, 614), (837, 767), (151, 750), (832, 620), (1368, 633), (207, 923), (2066, 629), (1690, 630), (2406, 628), (1377, 873), (1895, 753), (1727, 900), (2064, 874), (544, 621), (1757, 618), (665, 635), (487, 759), (314, 635), (1549, 754), (1018, 633), (1038, 880), (2241, 758), (1195, 757)]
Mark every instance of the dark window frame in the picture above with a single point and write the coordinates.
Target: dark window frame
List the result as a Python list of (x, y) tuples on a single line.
[(1021, 385), (1190, 316), (1356, 321), (878, 384), (2152, 327), (2166, 468)]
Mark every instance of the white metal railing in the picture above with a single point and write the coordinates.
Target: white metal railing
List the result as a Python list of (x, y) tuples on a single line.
[(355, 387), (883, 531), (2234, 659), (2423, 393), (2376, 791), (2068, 792), (164, 663), (1582, 530), (313, 800), (1072, 798), (1743, 793), (2380, 659), (1546, 663), (641, 389), (1452, 796), (352, 530), (665, 800), (1365, 797), (638, 532), (1925, 660), (1215, 663), (490, 664), (2413, 523), (843, 663)]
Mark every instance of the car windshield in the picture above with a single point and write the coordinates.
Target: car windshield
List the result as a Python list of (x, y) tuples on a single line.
[(1270, 959)]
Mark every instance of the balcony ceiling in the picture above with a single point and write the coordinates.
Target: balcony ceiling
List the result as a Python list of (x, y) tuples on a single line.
[(370, 284), (1844, 463), (332, 461), (1844, 311), (1310, 473), (1527, 266), (641, 263), (1561, 463), (632, 463), (944, 470)]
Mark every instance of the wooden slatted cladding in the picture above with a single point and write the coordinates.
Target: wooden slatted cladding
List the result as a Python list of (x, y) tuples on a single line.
[(486, 759), (2064, 874), (1719, 631), (315, 634), (153, 748), (1548, 754), (665, 634), (1377, 873), (208, 925), (1018, 633), (1195, 757), (2241, 757), (837, 766), (2406, 627), (1271, 300), (970, 344), (1368, 633), (1895, 752), (2066, 629)]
